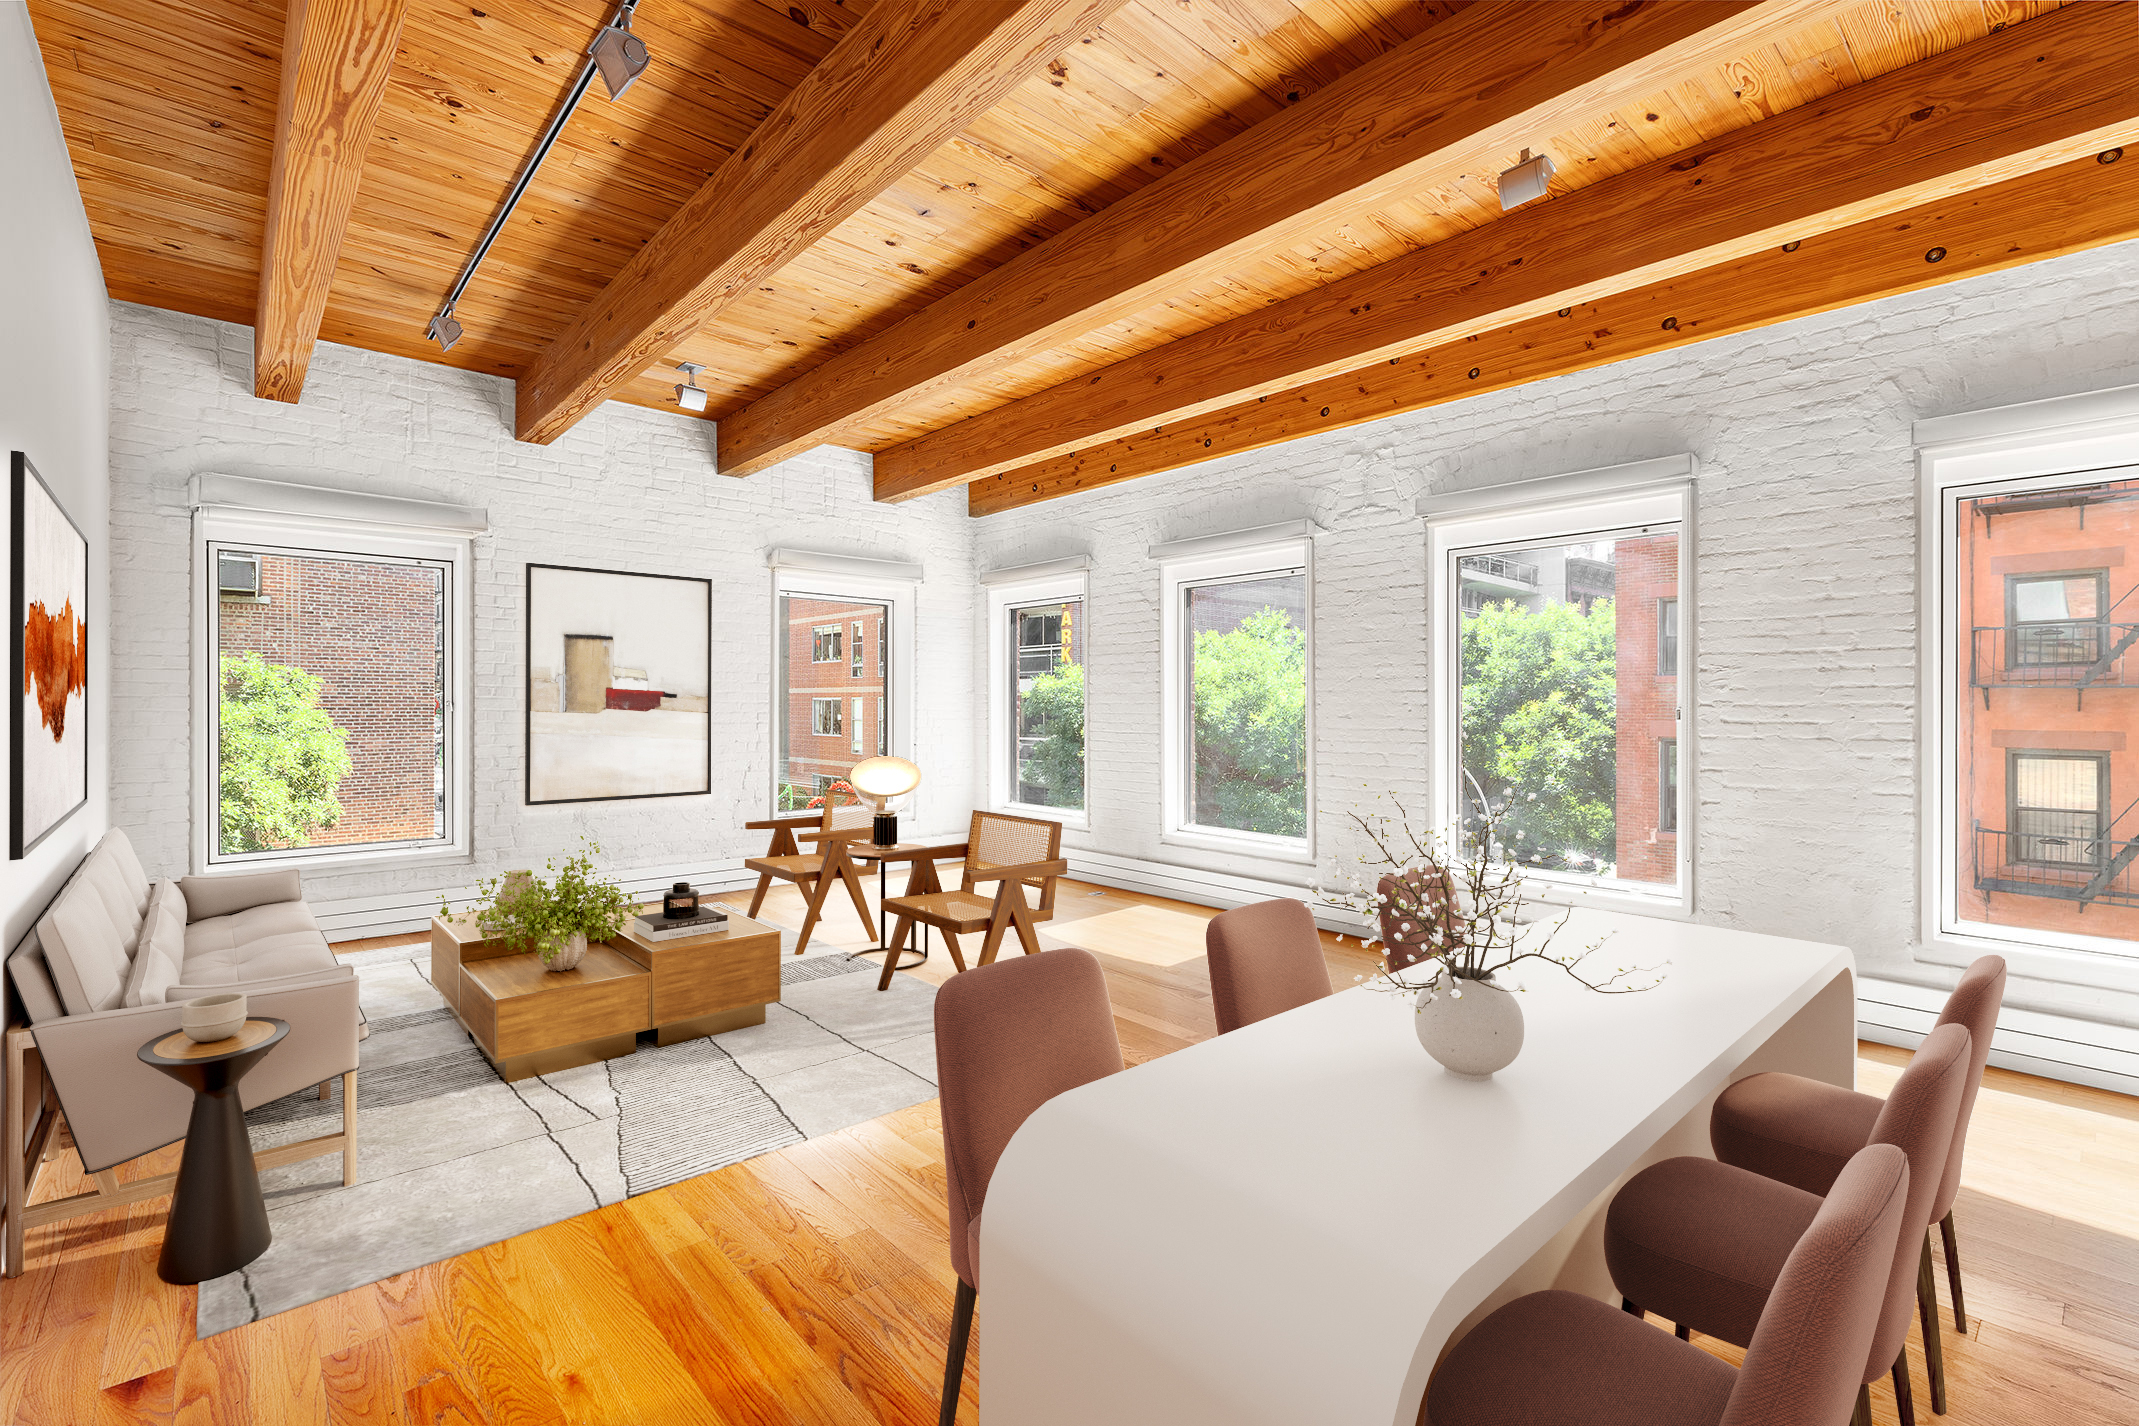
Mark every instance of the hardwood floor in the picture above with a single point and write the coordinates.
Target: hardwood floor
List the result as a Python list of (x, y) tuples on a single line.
[(813, 1285)]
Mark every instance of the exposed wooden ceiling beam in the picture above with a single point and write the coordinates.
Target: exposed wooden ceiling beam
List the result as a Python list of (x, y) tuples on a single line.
[(2076, 205), (905, 79), (2023, 100), (1461, 98), (336, 55)]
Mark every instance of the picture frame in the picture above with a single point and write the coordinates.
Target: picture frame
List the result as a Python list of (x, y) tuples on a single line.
[(618, 684), (48, 584)]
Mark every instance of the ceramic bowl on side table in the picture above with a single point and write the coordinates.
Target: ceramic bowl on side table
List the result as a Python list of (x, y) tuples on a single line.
[(212, 1017)]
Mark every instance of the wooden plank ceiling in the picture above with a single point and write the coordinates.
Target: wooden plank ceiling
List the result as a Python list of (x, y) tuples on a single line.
[(170, 108)]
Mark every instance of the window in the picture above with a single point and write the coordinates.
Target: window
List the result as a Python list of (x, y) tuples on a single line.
[(1559, 686), (1036, 665), (2054, 806), (829, 712), (330, 660), (2055, 619), (1237, 637), (2035, 690)]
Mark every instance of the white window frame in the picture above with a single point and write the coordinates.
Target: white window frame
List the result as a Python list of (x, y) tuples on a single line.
[(802, 580), (2069, 440), (1002, 598), (1204, 561), (304, 535), (1621, 502), (817, 718)]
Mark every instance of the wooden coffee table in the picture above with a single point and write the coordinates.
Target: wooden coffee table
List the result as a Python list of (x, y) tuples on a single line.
[(530, 1020)]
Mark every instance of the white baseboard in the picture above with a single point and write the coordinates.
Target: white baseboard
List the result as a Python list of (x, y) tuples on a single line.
[(2030, 1041)]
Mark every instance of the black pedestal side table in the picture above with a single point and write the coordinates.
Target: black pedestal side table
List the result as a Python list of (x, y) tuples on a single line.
[(218, 1220)]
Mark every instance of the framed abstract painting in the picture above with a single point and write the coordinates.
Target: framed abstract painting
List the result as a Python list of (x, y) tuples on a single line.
[(619, 673), (49, 737)]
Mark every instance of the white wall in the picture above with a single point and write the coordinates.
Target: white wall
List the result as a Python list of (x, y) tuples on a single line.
[(55, 359), (1807, 718), (628, 489)]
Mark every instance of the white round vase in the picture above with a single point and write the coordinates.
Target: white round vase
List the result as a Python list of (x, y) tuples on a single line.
[(1474, 1035), (573, 952)]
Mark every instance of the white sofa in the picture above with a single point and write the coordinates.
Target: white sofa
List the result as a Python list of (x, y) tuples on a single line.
[(103, 973)]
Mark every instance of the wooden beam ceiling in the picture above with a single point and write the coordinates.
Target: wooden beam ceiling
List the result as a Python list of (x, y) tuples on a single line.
[(336, 55), (906, 78), (1457, 100), (2082, 204), (1974, 115)]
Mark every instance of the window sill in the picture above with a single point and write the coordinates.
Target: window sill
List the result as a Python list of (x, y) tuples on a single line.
[(2094, 970), (390, 859), (1670, 905), (1079, 821), (1247, 844)]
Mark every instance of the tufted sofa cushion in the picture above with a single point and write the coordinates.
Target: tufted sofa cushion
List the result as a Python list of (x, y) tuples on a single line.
[(89, 934), (258, 943), (162, 949)]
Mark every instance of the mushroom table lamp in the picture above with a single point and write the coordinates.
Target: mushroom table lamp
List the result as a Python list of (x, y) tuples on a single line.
[(879, 780)]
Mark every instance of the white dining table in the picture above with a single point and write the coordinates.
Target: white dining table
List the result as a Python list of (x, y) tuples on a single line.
[(1293, 1222)]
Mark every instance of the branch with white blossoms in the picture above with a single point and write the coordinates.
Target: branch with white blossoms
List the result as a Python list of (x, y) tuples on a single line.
[(1478, 930)]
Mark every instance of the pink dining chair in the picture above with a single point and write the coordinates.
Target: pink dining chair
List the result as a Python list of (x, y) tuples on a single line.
[(1801, 1131), (1700, 1242), (1009, 1037), (1561, 1359), (1265, 959)]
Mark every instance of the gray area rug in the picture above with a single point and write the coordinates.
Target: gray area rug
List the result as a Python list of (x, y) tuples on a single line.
[(451, 1158)]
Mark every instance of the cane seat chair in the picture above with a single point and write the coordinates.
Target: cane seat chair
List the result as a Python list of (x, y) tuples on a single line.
[(815, 871), (1012, 853)]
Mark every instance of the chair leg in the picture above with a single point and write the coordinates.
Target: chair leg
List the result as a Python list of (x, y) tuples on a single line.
[(954, 1362), (1862, 1416), (349, 1129), (1627, 1305), (849, 874), (323, 1091), (1685, 1333), (757, 898), (900, 927), (817, 888), (950, 943), (1953, 1271), (1904, 1406), (1927, 1309)]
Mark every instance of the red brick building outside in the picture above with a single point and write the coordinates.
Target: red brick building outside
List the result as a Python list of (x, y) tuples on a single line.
[(1646, 638), (835, 712), (374, 634), (2048, 705)]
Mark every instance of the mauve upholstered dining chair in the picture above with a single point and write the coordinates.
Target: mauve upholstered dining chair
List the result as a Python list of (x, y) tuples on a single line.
[(1009, 1037), (1561, 1359), (1264, 959), (1801, 1131), (1700, 1242)]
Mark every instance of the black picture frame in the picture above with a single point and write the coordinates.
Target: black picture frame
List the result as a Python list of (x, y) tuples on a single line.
[(527, 670), (26, 484)]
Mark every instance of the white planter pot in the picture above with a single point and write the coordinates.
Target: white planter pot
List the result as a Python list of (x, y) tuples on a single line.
[(575, 951), (1474, 1035)]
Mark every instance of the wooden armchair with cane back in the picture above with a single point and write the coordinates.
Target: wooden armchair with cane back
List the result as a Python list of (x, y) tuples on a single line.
[(814, 871), (1011, 852)]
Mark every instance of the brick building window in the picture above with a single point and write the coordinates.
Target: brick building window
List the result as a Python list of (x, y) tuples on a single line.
[(824, 645), (329, 718), (824, 717), (1559, 681)]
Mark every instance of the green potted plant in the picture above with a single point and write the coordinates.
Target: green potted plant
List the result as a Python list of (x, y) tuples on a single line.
[(554, 917)]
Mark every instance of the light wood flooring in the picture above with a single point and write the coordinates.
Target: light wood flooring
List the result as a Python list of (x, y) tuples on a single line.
[(813, 1285)]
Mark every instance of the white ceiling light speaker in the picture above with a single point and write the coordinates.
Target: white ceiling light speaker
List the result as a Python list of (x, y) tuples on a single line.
[(444, 330), (1526, 181), (619, 54), (690, 396)]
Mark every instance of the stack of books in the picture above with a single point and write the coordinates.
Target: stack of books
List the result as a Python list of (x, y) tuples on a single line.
[(657, 927)]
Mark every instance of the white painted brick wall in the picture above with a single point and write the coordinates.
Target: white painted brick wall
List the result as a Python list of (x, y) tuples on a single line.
[(628, 489), (1807, 718)]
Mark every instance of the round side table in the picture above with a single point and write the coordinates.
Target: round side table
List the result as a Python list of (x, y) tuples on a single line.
[(218, 1220)]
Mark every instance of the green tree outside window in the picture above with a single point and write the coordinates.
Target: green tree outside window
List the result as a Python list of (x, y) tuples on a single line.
[(1250, 699), (282, 756)]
